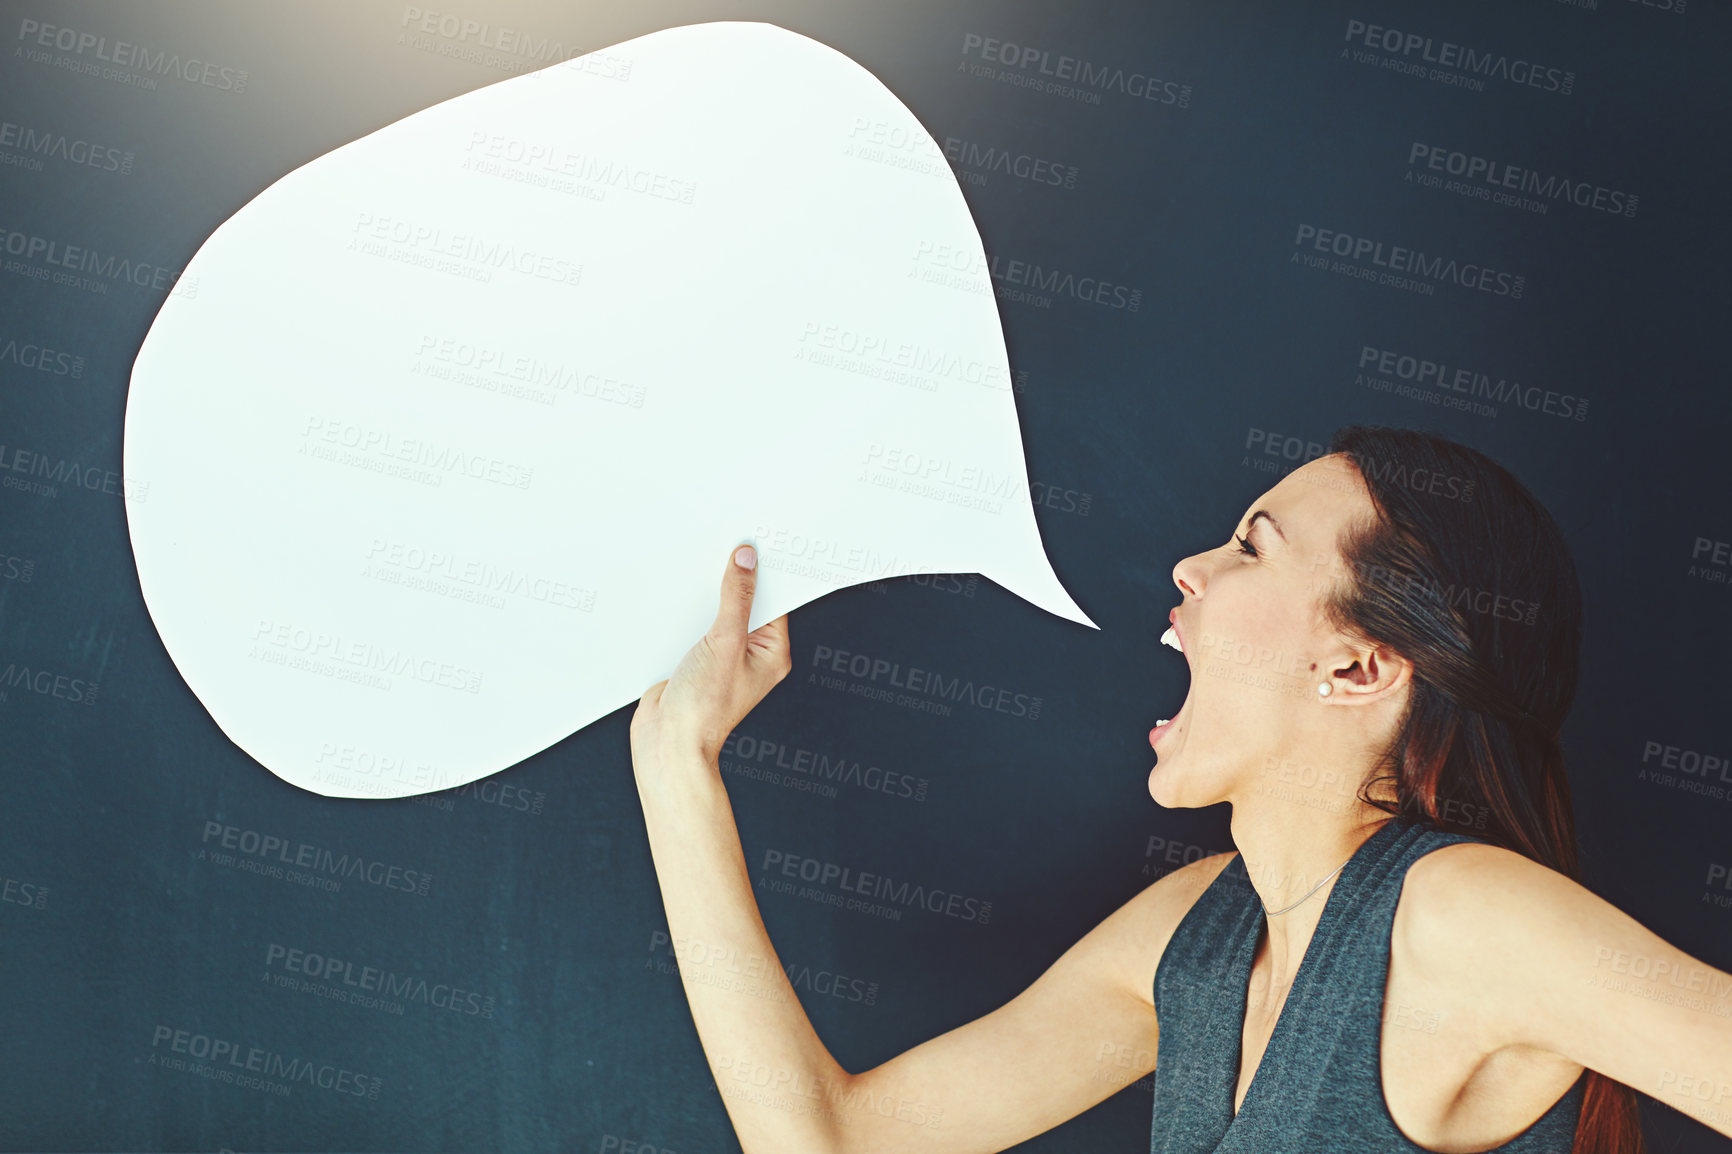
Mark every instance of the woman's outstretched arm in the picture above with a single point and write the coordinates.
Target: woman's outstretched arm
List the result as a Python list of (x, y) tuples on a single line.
[(1080, 1032)]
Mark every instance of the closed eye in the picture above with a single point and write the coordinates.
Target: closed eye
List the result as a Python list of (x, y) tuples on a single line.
[(1246, 547)]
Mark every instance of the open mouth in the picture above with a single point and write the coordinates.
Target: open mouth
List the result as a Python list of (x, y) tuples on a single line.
[(1172, 639)]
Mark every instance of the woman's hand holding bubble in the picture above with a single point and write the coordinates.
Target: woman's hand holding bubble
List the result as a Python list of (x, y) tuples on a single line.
[(717, 682)]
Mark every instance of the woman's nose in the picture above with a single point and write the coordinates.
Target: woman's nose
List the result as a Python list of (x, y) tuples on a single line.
[(1189, 575)]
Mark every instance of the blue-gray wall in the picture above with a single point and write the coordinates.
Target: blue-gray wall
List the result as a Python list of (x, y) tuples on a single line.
[(1198, 180)]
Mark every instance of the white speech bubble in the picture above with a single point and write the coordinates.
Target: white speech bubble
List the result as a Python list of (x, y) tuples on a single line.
[(448, 432)]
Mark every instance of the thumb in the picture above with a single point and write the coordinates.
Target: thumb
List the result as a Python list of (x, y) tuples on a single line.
[(739, 583)]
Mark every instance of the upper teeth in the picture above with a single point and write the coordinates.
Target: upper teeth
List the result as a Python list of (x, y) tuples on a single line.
[(1171, 637)]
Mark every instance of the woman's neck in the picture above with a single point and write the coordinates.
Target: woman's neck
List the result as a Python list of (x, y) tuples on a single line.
[(1294, 855)]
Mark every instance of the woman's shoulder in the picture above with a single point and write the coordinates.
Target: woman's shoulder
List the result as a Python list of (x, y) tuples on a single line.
[(1157, 911), (1458, 879), (1123, 951), (1172, 895), (1463, 904)]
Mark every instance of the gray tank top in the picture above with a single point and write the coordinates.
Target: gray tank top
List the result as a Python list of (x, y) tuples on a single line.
[(1319, 1087)]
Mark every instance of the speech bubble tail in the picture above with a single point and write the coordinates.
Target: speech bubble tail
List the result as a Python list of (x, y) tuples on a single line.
[(1041, 587)]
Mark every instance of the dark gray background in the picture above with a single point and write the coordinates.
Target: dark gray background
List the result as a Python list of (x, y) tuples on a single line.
[(113, 926)]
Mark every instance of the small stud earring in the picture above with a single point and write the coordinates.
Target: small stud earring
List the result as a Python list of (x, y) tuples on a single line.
[(1324, 689)]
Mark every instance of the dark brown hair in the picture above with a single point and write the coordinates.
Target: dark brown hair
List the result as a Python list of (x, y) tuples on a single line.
[(1466, 574)]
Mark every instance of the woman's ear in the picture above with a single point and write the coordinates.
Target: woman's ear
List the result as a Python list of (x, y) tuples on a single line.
[(1368, 674)]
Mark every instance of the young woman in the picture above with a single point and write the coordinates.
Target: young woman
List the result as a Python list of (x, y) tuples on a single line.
[(1399, 957)]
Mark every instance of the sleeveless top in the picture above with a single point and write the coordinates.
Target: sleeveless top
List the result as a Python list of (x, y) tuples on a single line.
[(1319, 1087)]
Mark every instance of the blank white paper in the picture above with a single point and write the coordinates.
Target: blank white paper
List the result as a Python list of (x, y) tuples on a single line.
[(448, 433)]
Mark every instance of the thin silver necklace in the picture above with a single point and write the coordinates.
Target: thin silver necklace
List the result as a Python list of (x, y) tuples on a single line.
[(1268, 913)]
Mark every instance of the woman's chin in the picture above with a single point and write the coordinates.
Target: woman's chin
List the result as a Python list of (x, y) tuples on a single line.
[(1164, 788), (1174, 783), (1167, 744)]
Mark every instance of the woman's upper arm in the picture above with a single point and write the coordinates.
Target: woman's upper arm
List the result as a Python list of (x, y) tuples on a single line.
[(1564, 970), (1080, 1032)]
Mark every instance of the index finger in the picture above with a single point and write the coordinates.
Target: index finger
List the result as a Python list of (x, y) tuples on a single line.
[(774, 632)]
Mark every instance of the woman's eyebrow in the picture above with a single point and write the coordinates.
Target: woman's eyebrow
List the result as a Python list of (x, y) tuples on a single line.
[(1249, 525)]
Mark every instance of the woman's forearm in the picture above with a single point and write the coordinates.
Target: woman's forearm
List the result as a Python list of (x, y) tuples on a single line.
[(783, 1090)]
